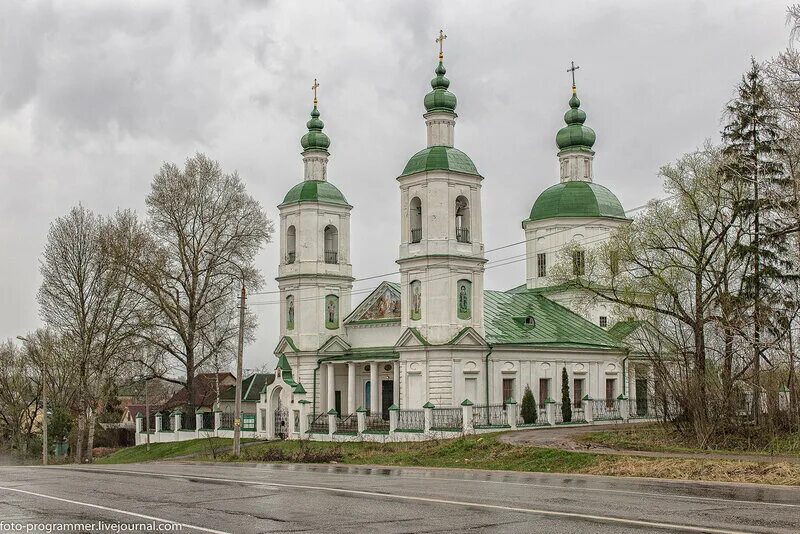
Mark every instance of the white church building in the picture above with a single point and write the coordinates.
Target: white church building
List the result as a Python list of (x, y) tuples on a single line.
[(438, 338)]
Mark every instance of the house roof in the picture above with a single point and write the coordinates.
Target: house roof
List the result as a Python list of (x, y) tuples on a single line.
[(204, 391), (506, 316), (251, 387), (623, 329)]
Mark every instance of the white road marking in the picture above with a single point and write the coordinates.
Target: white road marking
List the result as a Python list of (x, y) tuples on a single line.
[(551, 513), (579, 488), (116, 510)]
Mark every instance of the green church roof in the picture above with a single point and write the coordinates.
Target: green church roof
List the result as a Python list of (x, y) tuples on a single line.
[(440, 158), (315, 139), (575, 135), (553, 325), (315, 191), (576, 199), (440, 99)]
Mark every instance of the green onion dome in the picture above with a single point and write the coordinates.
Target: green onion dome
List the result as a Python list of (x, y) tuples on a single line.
[(315, 138), (575, 134), (577, 199), (440, 99), (315, 191), (440, 158)]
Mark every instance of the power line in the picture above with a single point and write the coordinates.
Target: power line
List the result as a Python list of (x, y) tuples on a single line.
[(509, 245), (495, 263)]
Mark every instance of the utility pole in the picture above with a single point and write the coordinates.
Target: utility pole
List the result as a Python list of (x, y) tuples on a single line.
[(146, 415), (44, 414), (237, 422)]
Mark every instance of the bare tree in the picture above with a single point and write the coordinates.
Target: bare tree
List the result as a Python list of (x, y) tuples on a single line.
[(19, 395), (202, 235), (671, 265), (89, 301)]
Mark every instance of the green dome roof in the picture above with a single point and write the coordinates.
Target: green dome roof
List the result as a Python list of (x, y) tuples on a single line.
[(315, 191), (576, 199), (315, 138), (440, 158), (575, 134), (440, 99)]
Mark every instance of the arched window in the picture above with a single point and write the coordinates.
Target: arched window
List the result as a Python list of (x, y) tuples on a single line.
[(415, 290), (331, 244), (578, 263), (464, 299), (415, 218), (290, 312), (462, 220), (291, 244), (331, 312)]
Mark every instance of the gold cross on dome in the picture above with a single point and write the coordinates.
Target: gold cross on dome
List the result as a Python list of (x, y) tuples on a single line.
[(440, 40), (314, 88), (572, 69)]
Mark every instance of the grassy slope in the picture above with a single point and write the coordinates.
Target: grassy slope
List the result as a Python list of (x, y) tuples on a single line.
[(162, 451), (482, 452), (661, 438)]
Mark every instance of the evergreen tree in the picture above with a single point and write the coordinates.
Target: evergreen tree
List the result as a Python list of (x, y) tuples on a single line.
[(752, 144), (528, 408), (566, 403)]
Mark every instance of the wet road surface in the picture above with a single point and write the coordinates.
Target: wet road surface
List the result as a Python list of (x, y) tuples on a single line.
[(249, 498)]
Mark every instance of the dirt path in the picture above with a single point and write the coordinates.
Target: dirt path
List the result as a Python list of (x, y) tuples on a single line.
[(564, 438)]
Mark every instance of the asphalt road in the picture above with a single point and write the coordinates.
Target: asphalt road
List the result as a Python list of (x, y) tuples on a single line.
[(335, 498)]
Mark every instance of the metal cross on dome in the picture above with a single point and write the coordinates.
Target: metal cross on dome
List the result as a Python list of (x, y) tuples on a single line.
[(314, 88), (572, 69), (440, 40)]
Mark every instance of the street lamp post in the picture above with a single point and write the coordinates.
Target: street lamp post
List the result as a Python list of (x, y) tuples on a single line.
[(44, 403)]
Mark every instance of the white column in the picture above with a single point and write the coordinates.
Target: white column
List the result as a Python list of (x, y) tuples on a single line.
[(331, 388), (396, 388), (374, 407), (351, 388)]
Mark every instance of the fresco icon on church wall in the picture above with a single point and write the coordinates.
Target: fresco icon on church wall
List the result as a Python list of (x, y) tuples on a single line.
[(416, 300), (332, 312), (464, 298), (387, 306)]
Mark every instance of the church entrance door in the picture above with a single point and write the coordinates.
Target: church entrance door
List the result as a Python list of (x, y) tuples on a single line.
[(387, 397)]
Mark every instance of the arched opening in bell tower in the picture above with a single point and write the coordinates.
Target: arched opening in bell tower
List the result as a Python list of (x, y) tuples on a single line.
[(331, 244), (462, 219), (415, 219)]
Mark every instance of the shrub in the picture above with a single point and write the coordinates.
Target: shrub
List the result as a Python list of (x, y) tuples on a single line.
[(528, 408), (566, 403)]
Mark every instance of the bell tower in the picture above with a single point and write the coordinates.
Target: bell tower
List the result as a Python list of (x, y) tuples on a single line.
[(441, 255), (315, 275)]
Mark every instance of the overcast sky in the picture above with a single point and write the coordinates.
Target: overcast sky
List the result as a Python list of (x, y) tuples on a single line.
[(94, 96)]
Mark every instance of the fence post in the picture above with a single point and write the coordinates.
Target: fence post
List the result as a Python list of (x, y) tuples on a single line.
[(198, 422), (467, 410), (139, 423), (624, 407), (550, 410), (178, 416), (158, 422), (394, 418), (303, 418), (511, 413), (588, 409), (361, 418), (428, 409), (217, 421), (332, 413)]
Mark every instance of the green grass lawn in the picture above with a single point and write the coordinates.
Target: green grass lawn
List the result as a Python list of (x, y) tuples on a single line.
[(666, 438), (163, 451), (477, 452)]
